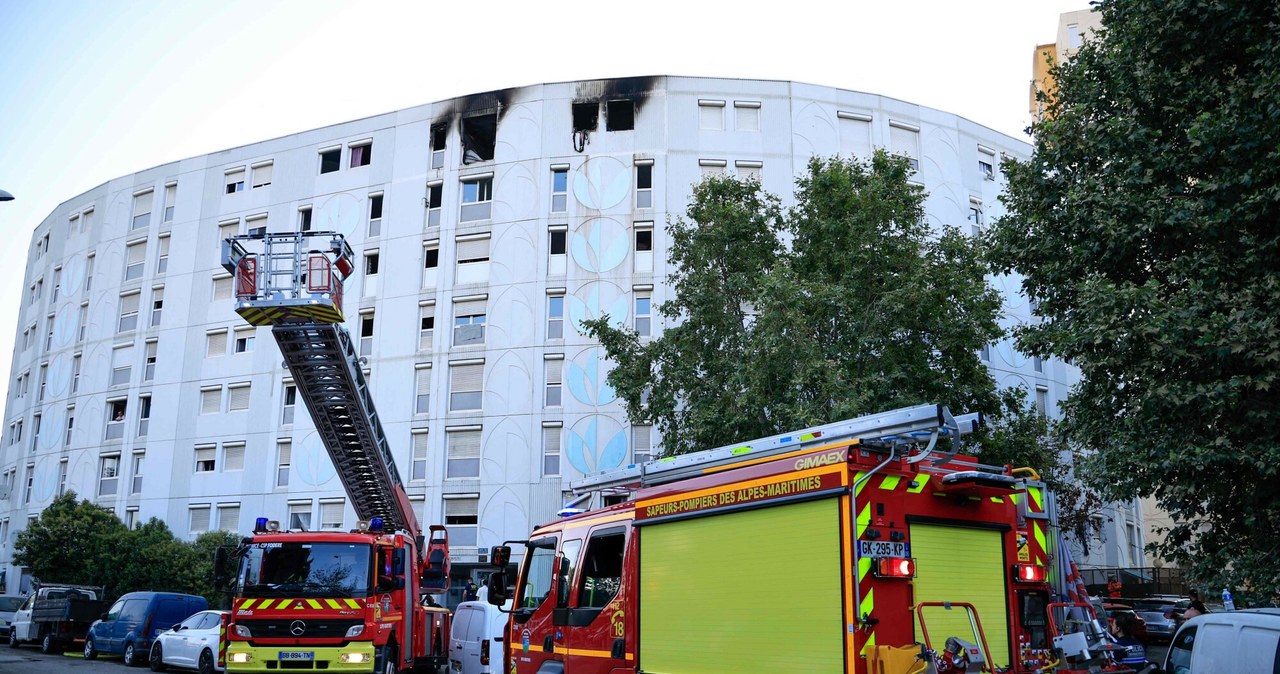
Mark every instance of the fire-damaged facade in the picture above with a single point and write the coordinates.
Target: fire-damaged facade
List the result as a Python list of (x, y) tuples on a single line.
[(486, 228)]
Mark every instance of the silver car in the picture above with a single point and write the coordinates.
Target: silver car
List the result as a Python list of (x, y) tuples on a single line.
[(1160, 624), (9, 604)]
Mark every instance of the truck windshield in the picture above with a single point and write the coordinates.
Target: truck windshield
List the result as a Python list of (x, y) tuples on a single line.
[(306, 570)]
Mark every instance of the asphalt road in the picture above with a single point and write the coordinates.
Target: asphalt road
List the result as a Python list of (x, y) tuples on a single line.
[(29, 659)]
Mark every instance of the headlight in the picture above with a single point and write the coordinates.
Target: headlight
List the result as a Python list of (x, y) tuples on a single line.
[(240, 658), (242, 631), (355, 631), (355, 658)]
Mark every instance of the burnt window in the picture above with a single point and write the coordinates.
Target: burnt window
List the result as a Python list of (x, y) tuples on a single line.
[(479, 134), (620, 116), (586, 116)]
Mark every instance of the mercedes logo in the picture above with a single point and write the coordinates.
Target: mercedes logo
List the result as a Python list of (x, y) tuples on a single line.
[(297, 628)]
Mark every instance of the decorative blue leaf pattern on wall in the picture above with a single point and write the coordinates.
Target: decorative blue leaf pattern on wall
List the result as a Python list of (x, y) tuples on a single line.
[(587, 379), (596, 299), (596, 443), (602, 182), (599, 245)]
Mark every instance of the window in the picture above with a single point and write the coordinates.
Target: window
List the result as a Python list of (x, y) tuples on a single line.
[(987, 169), (473, 258), (229, 516), (461, 516), (235, 180), (290, 398), (129, 311), (245, 338), (710, 115), (210, 399), (300, 515), (35, 431), (551, 448), (84, 322), (375, 215), (619, 115), (232, 456), (904, 139), (371, 259), (57, 283), (479, 136), (555, 317), (1037, 364), (644, 185), (108, 474), (115, 423), (170, 197), (304, 219), (361, 154), (746, 115), (256, 222), (559, 189), (331, 514), (144, 415), (439, 134), (468, 321), (553, 365), (749, 170), (136, 486), (262, 174), (284, 454), (121, 365), (88, 271), (466, 380), (162, 254), (228, 229), (216, 343), (1073, 36), (1042, 401), (199, 518), (557, 261), (71, 423), (157, 305), (222, 286), (238, 397), (712, 167), (435, 198), (418, 468), (643, 316), (330, 160), (366, 333), (426, 326), (62, 488), (641, 443), (477, 198), (976, 218), (206, 458), (430, 262), (141, 209), (422, 388), (985, 353), (85, 219), (48, 335), (644, 247), (149, 360)]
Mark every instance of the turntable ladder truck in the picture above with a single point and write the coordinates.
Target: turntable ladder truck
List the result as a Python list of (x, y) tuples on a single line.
[(345, 601)]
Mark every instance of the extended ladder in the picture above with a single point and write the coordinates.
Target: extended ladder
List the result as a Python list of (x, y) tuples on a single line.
[(910, 425), (299, 294)]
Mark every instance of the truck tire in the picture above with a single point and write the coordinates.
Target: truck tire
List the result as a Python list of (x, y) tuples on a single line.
[(49, 645), (13, 637), (90, 651), (389, 665)]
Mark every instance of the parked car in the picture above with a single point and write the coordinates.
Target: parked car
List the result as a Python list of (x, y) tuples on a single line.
[(475, 644), (9, 604), (1230, 642), (134, 621), (193, 643), (1160, 625), (1115, 610)]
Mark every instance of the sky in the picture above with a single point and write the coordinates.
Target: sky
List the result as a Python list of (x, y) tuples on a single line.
[(97, 89)]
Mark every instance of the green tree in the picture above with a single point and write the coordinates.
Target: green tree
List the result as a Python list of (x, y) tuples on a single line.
[(151, 558), (845, 304), (1145, 224), (202, 551), (72, 542)]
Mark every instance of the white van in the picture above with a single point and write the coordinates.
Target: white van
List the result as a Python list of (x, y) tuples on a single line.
[(1230, 642), (475, 644)]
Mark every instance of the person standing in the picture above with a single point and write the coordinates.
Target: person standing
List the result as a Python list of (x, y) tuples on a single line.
[(1114, 588), (1196, 607)]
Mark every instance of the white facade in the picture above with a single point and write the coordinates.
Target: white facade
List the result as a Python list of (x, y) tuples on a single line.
[(493, 412)]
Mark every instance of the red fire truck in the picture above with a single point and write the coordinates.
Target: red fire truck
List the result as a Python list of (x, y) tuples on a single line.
[(348, 601), (868, 545)]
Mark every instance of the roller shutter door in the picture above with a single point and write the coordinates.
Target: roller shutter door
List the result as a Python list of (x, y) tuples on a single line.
[(753, 591), (960, 564)]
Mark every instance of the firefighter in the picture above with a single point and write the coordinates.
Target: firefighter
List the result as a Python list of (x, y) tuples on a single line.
[(1114, 587)]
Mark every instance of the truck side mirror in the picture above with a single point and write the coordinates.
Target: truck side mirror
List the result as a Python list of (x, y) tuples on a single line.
[(497, 585), (500, 556), (220, 567)]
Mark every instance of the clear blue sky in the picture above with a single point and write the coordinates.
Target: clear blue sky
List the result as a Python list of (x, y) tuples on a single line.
[(97, 89)]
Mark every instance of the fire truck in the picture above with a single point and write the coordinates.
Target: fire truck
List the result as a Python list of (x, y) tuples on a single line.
[(869, 545), (354, 600)]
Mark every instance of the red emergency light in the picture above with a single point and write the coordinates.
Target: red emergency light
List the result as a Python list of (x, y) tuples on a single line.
[(895, 567), (1029, 573)]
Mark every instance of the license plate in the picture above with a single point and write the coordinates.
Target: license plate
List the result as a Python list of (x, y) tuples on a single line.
[(883, 549), (297, 655)]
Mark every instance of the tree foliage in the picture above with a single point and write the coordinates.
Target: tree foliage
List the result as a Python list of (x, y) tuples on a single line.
[(845, 304), (1145, 224)]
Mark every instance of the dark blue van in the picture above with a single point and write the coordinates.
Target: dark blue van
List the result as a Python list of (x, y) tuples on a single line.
[(132, 623)]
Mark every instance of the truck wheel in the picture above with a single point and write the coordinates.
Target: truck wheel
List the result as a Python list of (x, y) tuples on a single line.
[(13, 637), (130, 656), (389, 665), (206, 662), (50, 645), (90, 651), (156, 661)]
